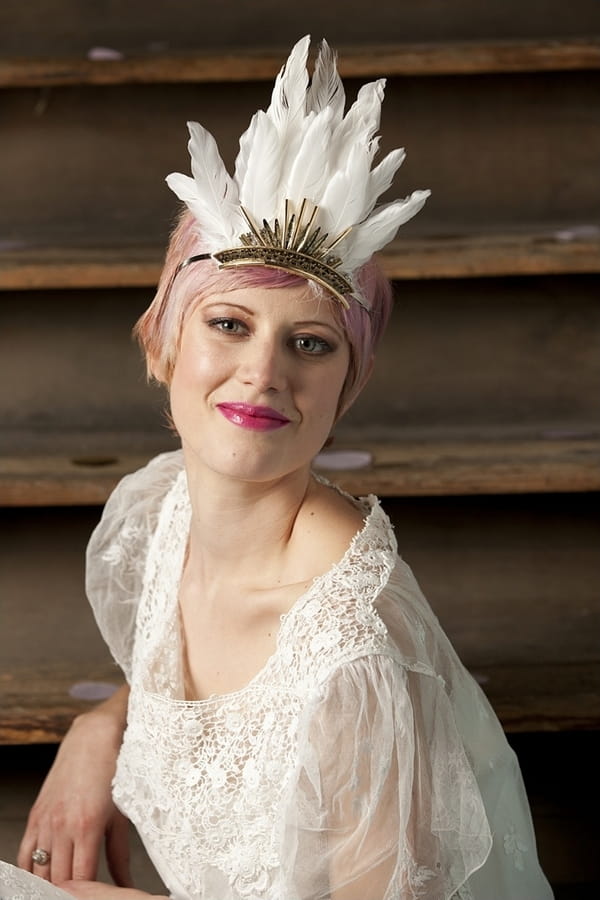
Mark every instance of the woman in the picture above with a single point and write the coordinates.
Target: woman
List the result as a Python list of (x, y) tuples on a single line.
[(298, 725)]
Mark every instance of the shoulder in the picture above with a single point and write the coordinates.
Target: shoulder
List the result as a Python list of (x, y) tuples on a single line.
[(131, 511), (332, 523)]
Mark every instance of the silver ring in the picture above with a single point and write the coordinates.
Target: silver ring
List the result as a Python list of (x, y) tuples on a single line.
[(40, 857)]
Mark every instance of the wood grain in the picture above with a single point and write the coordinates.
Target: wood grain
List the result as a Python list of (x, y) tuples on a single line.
[(422, 59)]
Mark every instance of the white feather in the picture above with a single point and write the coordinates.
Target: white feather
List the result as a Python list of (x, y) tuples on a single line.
[(326, 89), (216, 192), (308, 175), (380, 228), (344, 198), (288, 101), (360, 123), (382, 176), (246, 142), (259, 190)]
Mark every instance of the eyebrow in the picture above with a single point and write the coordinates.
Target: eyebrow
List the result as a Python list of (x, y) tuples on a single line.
[(304, 323)]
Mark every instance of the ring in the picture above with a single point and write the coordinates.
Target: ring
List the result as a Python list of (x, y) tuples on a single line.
[(40, 857)]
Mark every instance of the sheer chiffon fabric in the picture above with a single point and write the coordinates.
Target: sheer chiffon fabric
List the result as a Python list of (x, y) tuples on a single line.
[(361, 763)]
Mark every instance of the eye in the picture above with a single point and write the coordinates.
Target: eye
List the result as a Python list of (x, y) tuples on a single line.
[(227, 325), (308, 343)]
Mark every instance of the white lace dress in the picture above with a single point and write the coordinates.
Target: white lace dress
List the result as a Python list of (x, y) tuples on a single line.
[(361, 763)]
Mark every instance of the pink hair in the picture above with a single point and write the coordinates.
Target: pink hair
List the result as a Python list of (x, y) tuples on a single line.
[(159, 328)]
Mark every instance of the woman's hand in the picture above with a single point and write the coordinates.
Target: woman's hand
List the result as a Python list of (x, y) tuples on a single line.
[(95, 890), (74, 811)]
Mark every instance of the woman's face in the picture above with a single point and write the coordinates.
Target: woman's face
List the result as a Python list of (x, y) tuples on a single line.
[(256, 384)]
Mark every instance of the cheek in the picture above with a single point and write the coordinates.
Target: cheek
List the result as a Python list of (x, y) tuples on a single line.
[(328, 393), (195, 374)]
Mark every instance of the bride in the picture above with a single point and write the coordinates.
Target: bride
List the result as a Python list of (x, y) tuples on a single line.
[(295, 723)]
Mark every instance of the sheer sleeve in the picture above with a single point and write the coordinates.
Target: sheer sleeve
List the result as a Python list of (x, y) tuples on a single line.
[(384, 796), (117, 550)]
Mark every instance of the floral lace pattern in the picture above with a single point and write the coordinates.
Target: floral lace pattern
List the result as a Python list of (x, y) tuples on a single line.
[(516, 847), (204, 781), (16, 884)]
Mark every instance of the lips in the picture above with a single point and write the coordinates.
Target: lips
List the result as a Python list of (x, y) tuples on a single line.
[(255, 418)]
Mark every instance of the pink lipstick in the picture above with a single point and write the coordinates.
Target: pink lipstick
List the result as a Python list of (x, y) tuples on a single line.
[(256, 418)]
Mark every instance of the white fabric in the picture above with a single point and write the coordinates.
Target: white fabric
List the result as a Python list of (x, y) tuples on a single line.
[(361, 763), (16, 884)]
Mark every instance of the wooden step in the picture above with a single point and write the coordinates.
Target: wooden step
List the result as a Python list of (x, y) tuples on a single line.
[(448, 58), (37, 705), (559, 251), (406, 468)]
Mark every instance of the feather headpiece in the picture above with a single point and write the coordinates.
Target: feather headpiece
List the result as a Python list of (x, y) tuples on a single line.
[(303, 194)]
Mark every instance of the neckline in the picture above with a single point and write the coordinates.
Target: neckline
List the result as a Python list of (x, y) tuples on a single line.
[(177, 503)]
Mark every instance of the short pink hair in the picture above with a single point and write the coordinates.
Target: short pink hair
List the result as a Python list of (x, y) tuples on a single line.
[(159, 328)]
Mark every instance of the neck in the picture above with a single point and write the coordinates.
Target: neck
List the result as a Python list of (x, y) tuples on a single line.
[(240, 531)]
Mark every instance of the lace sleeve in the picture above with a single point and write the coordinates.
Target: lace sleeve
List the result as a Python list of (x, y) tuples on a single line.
[(16, 884), (384, 796), (116, 553)]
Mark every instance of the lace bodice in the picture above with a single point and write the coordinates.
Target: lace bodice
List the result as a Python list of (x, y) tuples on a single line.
[(360, 758)]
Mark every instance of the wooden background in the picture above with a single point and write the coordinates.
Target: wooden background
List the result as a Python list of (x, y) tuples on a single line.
[(482, 418)]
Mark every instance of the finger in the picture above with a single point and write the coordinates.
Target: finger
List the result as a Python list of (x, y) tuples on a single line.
[(86, 854), (61, 860), (26, 848), (29, 841), (117, 851), (44, 842)]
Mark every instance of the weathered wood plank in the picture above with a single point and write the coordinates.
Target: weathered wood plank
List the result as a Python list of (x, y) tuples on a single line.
[(461, 256), (406, 468), (36, 704), (46, 268), (448, 468), (540, 252), (451, 58)]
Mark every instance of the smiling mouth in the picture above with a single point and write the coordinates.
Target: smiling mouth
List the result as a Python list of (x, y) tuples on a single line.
[(255, 418)]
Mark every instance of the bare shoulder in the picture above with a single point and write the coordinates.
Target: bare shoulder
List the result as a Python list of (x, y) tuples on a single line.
[(326, 525)]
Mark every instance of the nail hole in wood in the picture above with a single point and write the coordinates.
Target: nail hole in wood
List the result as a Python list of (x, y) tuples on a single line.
[(95, 461)]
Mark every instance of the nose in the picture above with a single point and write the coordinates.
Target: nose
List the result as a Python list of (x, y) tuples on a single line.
[(264, 365)]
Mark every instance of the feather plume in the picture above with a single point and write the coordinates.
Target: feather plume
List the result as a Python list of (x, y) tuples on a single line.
[(380, 228), (259, 188), (288, 101), (246, 142), (215, 191), (382, 176), (307, 174), (326, 89), (302, 148), (344, 198), (360, 123)]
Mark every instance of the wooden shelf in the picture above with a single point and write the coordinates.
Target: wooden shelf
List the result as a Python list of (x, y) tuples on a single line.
[(451, 58), (36, 704), (461, 468), (47, 268), (405, 468), (536, 252), (37, 707)]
